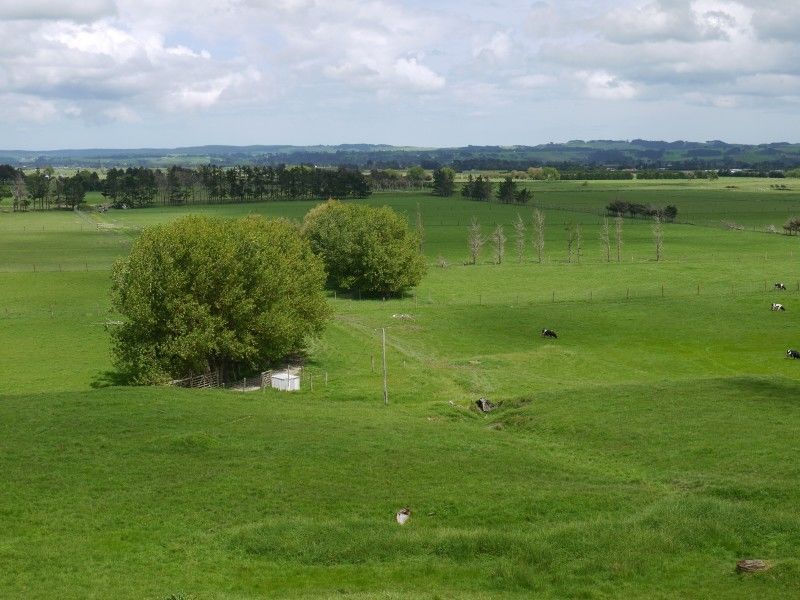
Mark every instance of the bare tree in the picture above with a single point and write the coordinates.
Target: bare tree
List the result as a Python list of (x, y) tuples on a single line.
[(571, 238), (538, 238), (20, 193), (499, 244), (475, 240), (658, 237), (519, 236), (605, 238), (578, 242), (618, 233), (420, 230)]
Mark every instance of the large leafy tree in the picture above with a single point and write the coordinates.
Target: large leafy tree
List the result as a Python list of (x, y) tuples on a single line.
[(365, 249), (203, 294)]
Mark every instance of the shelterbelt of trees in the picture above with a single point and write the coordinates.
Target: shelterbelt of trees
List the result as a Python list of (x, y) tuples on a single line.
[(138, 187)]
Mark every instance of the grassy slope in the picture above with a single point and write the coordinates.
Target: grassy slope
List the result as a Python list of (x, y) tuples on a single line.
[(634, 491), (638, 456)]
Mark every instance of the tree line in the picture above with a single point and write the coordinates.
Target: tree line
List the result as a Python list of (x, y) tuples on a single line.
[(634, 209), (137, 187), (44, 189), (140, 186)]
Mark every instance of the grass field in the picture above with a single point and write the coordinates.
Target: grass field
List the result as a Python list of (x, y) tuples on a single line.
[(639, 455)]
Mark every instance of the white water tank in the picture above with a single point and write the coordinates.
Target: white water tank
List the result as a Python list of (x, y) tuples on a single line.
[(286, 382)]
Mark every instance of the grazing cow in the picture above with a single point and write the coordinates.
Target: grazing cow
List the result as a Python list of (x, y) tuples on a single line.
[(776, 306), (779, 286), (549, 333), (792, 353)]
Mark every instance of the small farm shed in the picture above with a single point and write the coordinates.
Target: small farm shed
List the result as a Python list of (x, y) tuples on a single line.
[(285, 381)]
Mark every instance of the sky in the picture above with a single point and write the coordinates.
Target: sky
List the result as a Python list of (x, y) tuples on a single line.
[(167, 73)]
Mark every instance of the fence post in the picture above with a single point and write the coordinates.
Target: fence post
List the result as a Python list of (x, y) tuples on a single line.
[(627, 293)]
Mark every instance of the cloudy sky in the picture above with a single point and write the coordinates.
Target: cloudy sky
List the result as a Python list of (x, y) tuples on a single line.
[(132, 73)]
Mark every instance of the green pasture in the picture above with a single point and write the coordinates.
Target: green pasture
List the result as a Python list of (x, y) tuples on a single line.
[(639, 455)]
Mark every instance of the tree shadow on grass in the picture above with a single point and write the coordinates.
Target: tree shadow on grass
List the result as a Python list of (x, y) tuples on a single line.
[(105, 379)]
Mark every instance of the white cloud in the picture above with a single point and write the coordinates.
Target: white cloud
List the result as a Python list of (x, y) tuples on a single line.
[(417, 75), (605, 86), (533, 81), (28, 109), (73, 10), (499, 47)]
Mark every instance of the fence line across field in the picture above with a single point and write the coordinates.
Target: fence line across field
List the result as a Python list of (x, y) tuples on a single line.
[(98, 316)]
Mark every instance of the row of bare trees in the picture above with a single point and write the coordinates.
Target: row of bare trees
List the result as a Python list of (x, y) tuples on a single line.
[(612, 245)]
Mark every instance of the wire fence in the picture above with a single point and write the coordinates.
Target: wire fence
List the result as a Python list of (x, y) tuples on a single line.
[(256, 382), (529, 297), (206, 380), (100, 318)]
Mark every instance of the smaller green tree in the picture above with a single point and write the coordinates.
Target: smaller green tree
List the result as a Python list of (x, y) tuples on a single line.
[(523, 196), (444, 181), (365, 249), (416, 176), (506, 193), (74, 192)]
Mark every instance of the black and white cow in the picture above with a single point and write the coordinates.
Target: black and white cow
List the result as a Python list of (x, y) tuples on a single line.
[(776, 306), (549, 333), (779, 286), (791, 353)]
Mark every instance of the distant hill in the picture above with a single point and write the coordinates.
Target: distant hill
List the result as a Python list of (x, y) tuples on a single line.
[(713, 154)]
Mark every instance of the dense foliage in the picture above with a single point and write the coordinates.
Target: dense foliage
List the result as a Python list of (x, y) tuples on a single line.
[(138, 187), (43, 189), (365, 249), (477, 188), (444, 181), (634, 209), (202, 294)]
